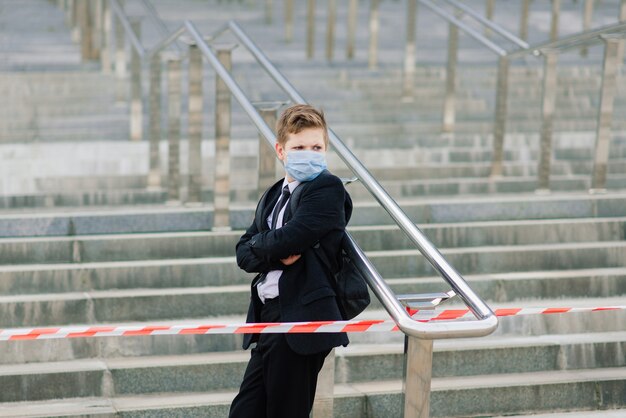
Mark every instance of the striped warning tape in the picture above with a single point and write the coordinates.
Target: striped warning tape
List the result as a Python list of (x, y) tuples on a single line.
[(378, 325)]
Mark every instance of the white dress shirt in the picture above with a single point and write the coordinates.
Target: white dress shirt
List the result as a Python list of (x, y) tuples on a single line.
[(268, 288)]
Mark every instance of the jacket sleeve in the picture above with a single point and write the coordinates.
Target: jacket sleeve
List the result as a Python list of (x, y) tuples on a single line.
[(248, 260), (320, 210)]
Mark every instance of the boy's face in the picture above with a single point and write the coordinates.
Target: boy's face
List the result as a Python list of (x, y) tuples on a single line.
[(311, 139)]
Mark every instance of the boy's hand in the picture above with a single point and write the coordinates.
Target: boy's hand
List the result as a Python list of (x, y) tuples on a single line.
[(290, 260)]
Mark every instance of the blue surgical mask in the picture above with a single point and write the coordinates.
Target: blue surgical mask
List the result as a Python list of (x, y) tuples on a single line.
[(305, 165)]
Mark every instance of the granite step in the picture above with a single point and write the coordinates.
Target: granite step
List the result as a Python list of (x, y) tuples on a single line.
[(143, 219), (172, 245), (534, 327), (230, 293), (464, 396), (213, 372)]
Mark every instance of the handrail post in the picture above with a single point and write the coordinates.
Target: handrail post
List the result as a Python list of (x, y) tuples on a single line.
[(267, 156), (136, 99), (374, 26), (106, 51), (85, 24), (622, 43), (74, 20), (330, 29), (325, 393), (68, 7), (98, 29), (605, 113), (352, 17), (288, 21), (194, 194), (499, 127), (554, 22), (120, 49), (547, 118), (523, 22), (418, 375), (173, 125), (154, 176), (489, 10), (269, 7), (450, 99), (310, 29), (221, 214), (408, 82), (587, 16)]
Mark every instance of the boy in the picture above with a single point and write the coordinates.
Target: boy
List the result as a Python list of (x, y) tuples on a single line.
[(292, 285)]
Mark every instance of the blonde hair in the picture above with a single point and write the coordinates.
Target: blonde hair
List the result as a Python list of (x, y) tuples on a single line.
[(296, 119)]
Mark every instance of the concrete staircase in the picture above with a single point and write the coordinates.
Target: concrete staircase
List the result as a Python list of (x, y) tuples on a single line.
[(75, 114), (69, 259), (101, 274)]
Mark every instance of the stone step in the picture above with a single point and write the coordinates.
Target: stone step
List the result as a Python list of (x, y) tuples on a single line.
[(402, 151), (599, 389), (489, 395), (407, 189), (94, 197), (98, 220), (210, 372), (476, 83), (497, 259), (68, 124), (94, 106), (581, 91), (510, 170), (156, 246), (512, 287), (389, 168), (492, 208), (534, 326), (124, 305), (231, 293), (613, 413), (480, 80), (129, 190), (32, 189)]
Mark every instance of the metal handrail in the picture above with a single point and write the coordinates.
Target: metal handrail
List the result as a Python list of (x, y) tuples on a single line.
[(157, 21), (486, 320), (134, 41), (489, 23), (168, 38), (492, 46), (580, 39)]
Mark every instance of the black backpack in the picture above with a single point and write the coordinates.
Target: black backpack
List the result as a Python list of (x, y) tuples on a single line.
[(349, 284)]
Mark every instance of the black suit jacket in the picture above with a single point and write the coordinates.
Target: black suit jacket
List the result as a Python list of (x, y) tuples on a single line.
[(305, 287)]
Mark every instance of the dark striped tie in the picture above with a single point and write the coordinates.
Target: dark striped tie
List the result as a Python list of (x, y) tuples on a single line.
[(281, 204)]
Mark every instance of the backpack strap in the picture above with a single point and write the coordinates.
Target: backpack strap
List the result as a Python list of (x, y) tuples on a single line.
[(294, 199), (261, 223)]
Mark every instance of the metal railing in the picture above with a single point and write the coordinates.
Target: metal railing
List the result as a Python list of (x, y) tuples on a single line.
[(613, 57), (549, 50), (612, 36), (419, 334)]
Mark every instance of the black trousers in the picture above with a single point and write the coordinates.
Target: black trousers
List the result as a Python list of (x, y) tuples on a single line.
[(278, 383)]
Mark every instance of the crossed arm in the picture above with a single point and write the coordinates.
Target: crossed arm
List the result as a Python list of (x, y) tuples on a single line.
[(320, 210)]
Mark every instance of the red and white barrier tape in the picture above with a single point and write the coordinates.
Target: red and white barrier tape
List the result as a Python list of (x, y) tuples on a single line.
[(380, 325)]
